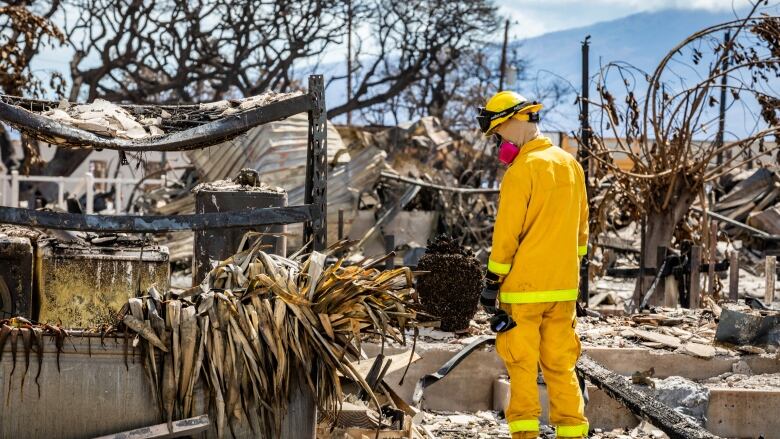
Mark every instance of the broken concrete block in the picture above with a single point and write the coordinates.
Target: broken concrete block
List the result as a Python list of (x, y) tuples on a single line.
[(685, 396), (666, 340), (741, 367), (698, 350), (748, 327)]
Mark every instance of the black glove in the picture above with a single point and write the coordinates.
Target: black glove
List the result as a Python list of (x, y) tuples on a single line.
[(501, 322), (488, 299)]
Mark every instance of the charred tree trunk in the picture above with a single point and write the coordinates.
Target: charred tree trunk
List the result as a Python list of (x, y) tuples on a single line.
[(661, 225), (7, 153)]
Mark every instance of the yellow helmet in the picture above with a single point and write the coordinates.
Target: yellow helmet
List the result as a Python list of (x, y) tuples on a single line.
[(504, 105)]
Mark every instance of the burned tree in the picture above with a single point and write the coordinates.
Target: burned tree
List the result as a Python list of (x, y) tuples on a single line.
[(406, 61), (25, 29), (172, 51), (667, 139)]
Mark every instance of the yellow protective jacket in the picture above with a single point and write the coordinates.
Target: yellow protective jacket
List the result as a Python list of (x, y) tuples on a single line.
[(541, 227)]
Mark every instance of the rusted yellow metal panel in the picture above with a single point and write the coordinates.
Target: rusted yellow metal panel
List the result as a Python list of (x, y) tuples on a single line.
[(85, 286)]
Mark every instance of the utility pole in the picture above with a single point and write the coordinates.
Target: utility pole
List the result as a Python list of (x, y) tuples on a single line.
[(349, 59), (723, 84), (503, 56), (583, 154)]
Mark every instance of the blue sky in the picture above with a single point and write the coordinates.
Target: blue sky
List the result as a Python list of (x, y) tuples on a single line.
[(531, 18)]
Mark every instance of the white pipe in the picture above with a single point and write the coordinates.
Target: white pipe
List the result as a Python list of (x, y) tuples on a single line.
[(89, 180), (14, 188)]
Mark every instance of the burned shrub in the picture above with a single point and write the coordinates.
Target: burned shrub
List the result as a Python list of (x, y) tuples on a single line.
[(451, 287)]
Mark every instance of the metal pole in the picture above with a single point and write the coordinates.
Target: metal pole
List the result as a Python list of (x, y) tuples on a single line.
[(317, 166), (349, 58), (502, 73), (389, 248), (583, 155), (723, 85)]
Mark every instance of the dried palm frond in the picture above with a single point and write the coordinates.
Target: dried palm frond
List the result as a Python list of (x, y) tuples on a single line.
[(259, 322)]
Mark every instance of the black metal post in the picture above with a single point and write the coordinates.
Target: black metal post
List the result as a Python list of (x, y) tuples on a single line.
[(389, 248), (341, 224), (317, 166), (723, 85), (349, 58), (583, 155)]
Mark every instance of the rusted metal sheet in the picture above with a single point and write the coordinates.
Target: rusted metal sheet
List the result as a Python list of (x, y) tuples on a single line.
[(143, 224), (49, 130), (86, 286), (98, 394), (277, 151)]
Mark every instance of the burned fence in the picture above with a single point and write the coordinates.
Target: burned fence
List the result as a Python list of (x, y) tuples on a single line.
[(190, 127)]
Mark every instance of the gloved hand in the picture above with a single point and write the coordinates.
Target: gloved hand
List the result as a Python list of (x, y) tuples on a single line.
[(488, 298), (501, 321)]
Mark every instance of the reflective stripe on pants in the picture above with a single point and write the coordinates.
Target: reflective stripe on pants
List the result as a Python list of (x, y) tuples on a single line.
[(572, 430), (539, 296), (523, 425)]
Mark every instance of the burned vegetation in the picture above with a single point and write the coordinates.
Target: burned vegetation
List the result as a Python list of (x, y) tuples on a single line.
[(449, 289)]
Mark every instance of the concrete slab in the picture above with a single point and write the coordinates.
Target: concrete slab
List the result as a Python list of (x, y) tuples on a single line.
[(744, 413), (467, 388), (626, 361)]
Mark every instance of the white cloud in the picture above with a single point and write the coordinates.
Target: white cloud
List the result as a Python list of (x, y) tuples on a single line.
[(533, 17)]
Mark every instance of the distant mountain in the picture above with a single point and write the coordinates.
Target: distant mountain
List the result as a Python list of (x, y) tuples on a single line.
[(640, 39)]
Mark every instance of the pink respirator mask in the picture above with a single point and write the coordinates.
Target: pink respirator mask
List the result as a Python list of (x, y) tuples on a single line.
[(507, 151)]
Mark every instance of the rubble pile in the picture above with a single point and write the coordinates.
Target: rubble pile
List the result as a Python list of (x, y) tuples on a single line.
[(682, 330), (751, 197), (450, 283), (490, 425)]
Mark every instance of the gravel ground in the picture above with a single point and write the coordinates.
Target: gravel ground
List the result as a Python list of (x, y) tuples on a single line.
[(489, 424)]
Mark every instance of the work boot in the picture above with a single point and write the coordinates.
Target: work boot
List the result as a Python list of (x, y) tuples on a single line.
[(525, 435)]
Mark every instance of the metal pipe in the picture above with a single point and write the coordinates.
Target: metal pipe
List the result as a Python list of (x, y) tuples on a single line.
[(415, 182), (166, 223), (733, 222), (212, 133)]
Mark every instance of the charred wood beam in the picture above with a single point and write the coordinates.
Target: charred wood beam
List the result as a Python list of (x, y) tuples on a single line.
[(651, 271), (420, 183), (212, 133), (152, 224), (642, 404)]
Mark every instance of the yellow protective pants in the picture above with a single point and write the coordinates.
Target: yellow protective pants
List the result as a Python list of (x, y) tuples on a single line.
[(544, 337)]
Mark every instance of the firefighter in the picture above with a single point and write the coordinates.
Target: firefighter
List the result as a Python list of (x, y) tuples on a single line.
[(541, 232)]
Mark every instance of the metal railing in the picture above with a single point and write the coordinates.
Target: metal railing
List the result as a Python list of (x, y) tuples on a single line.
[(9, 188)]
